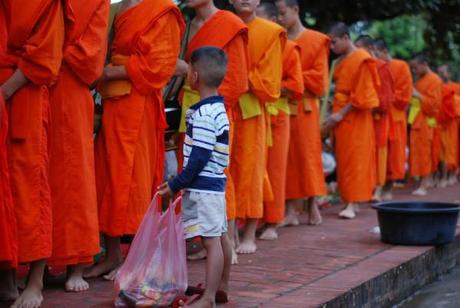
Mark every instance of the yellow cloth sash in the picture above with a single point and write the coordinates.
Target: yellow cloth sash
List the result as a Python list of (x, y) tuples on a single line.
[(190, 98), (250, 106), (415, 107), (115, 88), (273, 109), (432, 122)]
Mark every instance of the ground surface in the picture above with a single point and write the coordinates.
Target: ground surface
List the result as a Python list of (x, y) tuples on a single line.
[(307, 266)]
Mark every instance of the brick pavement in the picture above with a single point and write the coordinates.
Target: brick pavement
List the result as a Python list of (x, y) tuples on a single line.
[(307, 266)]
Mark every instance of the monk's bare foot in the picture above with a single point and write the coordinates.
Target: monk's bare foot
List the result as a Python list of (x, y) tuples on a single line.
[(234, 256), (348, 212), (203, 303), (113, 274), (314, 214), (420, 192), (452, 180), (269, 234), (290, 220), (387, 196), (102, 268), (75, 281), (442, 183), (31, 297), (200, 255), (247, 247), (356, 208)]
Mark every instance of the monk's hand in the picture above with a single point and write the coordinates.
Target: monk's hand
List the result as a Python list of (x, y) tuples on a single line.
[(165, 190), (416, 94), (181, 68), (334, 119)]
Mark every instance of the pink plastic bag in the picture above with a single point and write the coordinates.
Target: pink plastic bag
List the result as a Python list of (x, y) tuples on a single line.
[(155, 270)]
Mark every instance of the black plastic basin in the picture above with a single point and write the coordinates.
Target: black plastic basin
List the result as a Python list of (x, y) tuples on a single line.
[(417, 223)]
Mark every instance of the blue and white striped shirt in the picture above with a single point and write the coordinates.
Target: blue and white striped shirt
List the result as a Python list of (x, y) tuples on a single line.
[(206, 153)]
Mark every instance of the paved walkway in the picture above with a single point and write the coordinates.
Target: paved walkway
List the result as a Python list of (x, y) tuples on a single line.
[(307, 266)]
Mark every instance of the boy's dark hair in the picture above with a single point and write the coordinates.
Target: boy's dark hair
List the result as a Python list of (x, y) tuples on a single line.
[(366, 40), (339, 29), (270, 9), (211, 65)]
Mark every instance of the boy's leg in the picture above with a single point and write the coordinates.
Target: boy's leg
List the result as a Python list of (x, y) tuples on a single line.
[(111, 262), (231, 237), (227, 252), (32, 296), (214, 269), (8, 285)]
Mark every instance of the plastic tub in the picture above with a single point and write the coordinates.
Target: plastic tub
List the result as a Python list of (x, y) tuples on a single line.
[(417, 223)]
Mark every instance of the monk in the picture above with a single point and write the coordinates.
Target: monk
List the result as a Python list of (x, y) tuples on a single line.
[(248, 168), (305, 167), (130, 146), (356, 80), (447, 118), (428, 94), (382, 117), (27, 67), (403, 84), (72, 175), (222, 29), (278, 112)]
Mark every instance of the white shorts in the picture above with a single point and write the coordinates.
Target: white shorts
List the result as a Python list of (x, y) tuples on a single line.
[(204, 214)]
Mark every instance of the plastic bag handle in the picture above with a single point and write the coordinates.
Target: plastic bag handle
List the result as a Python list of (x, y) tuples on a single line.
[(174, 204)]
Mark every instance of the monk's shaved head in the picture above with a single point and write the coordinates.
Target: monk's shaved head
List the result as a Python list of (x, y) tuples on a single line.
[(380, 44), (291, 3), (339, 29), (444, 72), (268, 9), (420, 58), (419, 65), (211, 65), (365, 41)]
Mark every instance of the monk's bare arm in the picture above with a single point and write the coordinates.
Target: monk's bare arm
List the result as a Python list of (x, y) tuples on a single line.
[(13, 84), (337, 117), (115, 73)]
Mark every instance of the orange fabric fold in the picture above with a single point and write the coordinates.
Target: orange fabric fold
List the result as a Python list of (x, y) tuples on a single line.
[(356, 80), (248, 162), (72, 175), (449, 134), (305, 167), (403, 84), (130, 146), (422, 157), (35, 39)]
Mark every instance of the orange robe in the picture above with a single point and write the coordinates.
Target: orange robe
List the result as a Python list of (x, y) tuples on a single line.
[(225, 30), (72, 175), (402, 94), (305, 166), (382, 120), (248, 167), (421, 134), (8, 232), (448, 124), (456, 87), (130, 146), (356, 80), (35, 38), (280, 127)]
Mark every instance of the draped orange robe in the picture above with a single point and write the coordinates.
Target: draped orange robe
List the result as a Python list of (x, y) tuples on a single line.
[(383, 120), (8, 231), (35, 38), (130, 145), (456, 87), (305, 167), (72, 175), (448, 124), (402, 94), (248, 167), (280, 128), (356, 80), (225, 30), (421, 135)]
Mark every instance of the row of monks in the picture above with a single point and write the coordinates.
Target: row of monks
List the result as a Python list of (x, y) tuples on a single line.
[(60, 188)]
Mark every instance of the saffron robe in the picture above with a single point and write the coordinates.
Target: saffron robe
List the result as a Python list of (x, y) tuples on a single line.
[(382, 119), (72, 174), (448, 125), (305, 166), (224, 30), (421, 134), (403, 84), (248, 165), (356, 80), (35, 39), (130, 146), (280, 128)]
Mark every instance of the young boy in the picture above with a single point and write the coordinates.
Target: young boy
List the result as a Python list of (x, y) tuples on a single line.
[(202, 179)]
